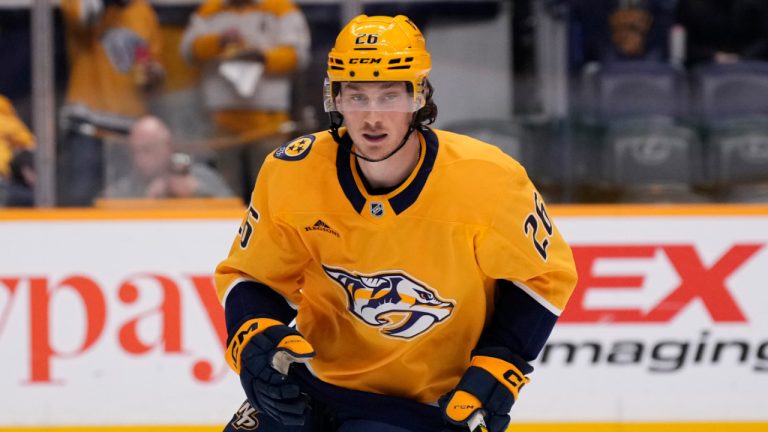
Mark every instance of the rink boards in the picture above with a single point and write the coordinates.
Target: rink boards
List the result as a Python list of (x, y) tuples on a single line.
[(108, 322)]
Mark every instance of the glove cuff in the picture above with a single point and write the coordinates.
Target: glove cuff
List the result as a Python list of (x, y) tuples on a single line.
[(504, 372), (505, 354), (243, 335)]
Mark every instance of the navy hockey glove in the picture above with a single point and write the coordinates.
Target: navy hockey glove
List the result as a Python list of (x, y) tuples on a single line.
[(487, 390), (262, 351)]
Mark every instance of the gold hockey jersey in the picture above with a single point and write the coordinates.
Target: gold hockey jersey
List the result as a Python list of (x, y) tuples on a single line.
[(101, 47), (275, 28), (14, 135), (393, 291)]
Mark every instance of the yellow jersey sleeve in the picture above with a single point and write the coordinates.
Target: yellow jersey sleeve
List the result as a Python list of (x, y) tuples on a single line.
[(523, 245), (266, 249)]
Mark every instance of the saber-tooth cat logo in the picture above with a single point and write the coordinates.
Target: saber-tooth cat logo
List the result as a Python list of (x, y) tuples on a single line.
[(392, 301)]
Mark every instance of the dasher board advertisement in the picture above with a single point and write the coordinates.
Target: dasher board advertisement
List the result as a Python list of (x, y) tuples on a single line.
[(107, 322), (668, 323), (114, 321)]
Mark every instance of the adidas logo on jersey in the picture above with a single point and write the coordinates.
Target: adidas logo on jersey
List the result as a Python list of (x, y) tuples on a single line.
[(322, 226)]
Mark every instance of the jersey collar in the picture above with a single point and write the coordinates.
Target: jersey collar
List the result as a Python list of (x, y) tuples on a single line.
[(405, 195)]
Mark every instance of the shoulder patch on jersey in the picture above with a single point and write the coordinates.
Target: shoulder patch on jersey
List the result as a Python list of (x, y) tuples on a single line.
[(295, 150)]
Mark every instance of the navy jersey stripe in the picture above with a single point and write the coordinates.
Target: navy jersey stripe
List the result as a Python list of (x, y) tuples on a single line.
[(408, 196), (519, 322), (344, 173), (399, 202), (251, 299), (354, 404)]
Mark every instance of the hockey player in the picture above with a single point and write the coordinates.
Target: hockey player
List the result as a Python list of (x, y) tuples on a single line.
[(420, 266)]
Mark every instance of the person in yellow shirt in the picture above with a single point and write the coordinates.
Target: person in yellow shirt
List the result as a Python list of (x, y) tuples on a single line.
[(112, 47), (16, 158), (420, 267), (14, 135), (248, 51)]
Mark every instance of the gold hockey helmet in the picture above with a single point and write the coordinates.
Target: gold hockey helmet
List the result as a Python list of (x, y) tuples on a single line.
[(376, 49)]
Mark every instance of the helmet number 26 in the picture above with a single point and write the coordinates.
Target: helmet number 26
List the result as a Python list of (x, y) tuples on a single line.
[(366, 39)]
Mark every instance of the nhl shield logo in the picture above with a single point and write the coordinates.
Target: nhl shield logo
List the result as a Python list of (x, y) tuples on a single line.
[(377, 209)]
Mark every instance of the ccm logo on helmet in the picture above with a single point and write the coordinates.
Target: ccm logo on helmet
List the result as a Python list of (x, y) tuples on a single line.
[(364, 60)]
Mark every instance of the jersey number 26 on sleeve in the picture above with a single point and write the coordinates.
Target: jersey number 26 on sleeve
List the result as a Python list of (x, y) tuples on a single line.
[(532, 226)]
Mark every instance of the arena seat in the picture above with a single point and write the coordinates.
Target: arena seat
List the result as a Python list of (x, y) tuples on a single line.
[(731, 106), (639, 134)]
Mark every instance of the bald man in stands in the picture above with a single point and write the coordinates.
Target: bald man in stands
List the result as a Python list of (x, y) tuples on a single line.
[(161, 172)]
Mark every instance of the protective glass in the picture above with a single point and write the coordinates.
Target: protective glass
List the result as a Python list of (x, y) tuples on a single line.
[(373, 96)]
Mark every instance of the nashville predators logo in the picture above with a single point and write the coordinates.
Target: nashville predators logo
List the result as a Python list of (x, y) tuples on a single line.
[(245, 418), (392, 301), (296, 149)]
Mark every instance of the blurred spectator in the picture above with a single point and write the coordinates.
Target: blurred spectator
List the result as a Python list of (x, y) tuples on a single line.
[(21, 187), (16, 58), (112, 48), (248, 50), (159, 172), (724, 31), (14, 136), (15, 139), (614, 30)]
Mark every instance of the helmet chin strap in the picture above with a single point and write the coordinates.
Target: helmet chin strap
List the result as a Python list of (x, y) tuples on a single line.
[(346, 144)]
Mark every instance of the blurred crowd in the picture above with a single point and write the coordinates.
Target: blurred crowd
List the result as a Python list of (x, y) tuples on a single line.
[(181, 102), (692, 32), (119, 130), (670, 99)]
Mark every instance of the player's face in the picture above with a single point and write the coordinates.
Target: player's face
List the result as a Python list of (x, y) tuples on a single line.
[(376, 114)]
